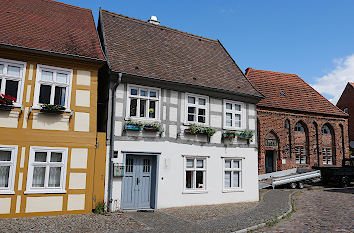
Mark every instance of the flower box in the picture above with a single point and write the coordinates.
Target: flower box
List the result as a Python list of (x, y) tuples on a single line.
[(6, 107), (52, 109), (132, 127), (151, 128), (228, 135), (244, 136)]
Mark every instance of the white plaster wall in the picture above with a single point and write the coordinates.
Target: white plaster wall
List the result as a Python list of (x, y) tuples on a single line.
[(82, 98), (79, 158), (252, 110), (9, 119), (83, 78), (171, 187), (50, 122), (215, 105), (5, 205), (82, 122), (44, 204), (174, 97), (173, 114), (76, 201), (77, 181), (18, 204), (216, 121)]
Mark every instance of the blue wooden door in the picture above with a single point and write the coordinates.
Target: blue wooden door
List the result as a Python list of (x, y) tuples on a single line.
[(136, 190)]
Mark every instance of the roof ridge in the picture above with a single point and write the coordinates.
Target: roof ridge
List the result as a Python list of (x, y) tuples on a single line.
[(269, 71), (68, 5), (161, 26)]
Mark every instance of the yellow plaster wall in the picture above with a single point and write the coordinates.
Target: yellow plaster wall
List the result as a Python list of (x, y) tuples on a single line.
[(25, 130)]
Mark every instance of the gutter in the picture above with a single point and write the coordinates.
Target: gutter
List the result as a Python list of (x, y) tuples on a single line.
[(111, 149)]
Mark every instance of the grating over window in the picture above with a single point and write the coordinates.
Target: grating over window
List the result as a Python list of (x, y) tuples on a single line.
[(146, 167), (129, 165)]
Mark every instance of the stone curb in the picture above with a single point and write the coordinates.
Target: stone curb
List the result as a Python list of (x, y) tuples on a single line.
[(264, 223)]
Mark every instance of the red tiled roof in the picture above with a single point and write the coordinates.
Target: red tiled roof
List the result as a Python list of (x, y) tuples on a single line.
[(140, 48), (351, 84), (298, 95), (49, 26)]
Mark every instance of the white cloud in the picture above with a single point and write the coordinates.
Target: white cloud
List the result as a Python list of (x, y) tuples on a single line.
[(333, 83)]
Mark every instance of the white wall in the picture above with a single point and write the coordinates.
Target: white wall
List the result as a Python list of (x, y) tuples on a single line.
[(171, 173)]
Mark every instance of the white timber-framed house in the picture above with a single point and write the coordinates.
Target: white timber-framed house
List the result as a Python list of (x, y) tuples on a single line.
[(180, 118)]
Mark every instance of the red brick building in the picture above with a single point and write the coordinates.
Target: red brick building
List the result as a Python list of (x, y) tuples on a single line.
[(346, 103), (297, 127)]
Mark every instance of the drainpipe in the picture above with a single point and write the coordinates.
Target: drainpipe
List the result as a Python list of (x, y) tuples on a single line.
[(111, 151)]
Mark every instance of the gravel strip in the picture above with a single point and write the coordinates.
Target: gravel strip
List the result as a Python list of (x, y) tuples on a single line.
[(115, 222)]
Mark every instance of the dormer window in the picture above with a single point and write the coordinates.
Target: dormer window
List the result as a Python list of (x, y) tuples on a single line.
[(346, 111)]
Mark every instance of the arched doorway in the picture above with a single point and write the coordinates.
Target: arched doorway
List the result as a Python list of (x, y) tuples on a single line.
[(271, 143)]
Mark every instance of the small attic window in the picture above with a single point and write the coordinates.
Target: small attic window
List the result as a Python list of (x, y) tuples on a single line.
[(282, 93)]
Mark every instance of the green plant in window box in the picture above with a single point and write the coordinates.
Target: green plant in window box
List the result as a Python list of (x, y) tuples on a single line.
[(246, 134), (197, 129), (133, 125), (228, 134), (52, 108), (152, 126), (151, 110)]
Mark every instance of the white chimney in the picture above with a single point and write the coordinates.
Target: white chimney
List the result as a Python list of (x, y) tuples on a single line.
[(153, 20)]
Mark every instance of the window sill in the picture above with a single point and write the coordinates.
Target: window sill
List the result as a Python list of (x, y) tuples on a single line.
[(44, 191), (195, 123), (232, 190), (6, 192), (142, 119), (194, 191)]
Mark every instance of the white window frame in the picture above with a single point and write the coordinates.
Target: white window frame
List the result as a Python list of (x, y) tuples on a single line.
[(240, 170), (233, 112), (21, 79), (31, 165), (129, 96), (55, 70), (325, 155), (195, 169), (303, 153), (12, 164), (186, 104)]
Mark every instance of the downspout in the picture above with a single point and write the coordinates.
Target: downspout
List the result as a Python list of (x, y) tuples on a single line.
[(111, 152)]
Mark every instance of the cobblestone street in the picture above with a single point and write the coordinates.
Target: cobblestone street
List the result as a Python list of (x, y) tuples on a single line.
[(319, 210)]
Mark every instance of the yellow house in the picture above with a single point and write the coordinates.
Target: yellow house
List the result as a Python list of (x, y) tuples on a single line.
[(51, 157)]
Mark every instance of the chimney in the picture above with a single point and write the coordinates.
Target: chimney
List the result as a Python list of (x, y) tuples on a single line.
[(153, 20)]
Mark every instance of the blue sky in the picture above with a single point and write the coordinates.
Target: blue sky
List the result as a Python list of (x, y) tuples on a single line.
[(311, 38)]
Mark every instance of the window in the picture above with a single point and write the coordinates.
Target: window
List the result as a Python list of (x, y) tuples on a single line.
[(232, 174), (300, 153), (195, 173), (299, 128), (47, 170), (143, 102), (233, 118), (325, 130), (8, 155), (346, 111), (12, 78), (197, 109), (53, 86), (327, 155)]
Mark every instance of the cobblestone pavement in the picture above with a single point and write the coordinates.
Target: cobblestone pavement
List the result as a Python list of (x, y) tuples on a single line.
[(319, 210), (71, 223), (215, 218), (274, 203)]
